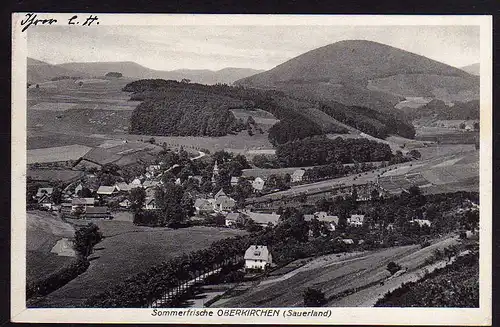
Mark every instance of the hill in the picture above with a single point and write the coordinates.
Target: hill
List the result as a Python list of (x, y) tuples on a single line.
[(40, 71), (170, 108), (134, 70), (358, 72), (473, 69)]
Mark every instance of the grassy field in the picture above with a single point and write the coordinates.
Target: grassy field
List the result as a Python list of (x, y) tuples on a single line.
[(43, 230), (55, 154), (128, 250), (63, 175)]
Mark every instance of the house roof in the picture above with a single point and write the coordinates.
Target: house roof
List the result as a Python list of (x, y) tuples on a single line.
[(298, 173), (84, 201), (123, 186), (42, 190), (357, 218), (263, 218), (220, 193), (147, 184), (232, 216), (225, 200), (105, 189), (96, 210), (257, 252)]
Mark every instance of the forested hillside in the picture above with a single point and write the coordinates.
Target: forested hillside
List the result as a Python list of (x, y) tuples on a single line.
[(321, 150), (176, 108)]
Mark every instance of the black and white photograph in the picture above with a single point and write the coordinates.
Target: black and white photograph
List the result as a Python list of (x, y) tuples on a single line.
[(256, 167)]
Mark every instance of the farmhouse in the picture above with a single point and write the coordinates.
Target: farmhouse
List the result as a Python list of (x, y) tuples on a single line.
[(149, 184), (106, 190), (97, 212), (298, 175), (258, 184), (234, 180), (81, 203), (348, 241), (331, 222), (150, 204), (44, 191), (356, 220), (125, 204), (232, 219), (122, 187), (224, 203), (263, 219), (219, 194), (136, 182), (203, 206), (421, 222), (45, 201), (258, 257)]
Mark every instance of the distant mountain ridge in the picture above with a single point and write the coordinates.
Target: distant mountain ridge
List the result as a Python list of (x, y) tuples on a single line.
[(135, 70), (366, 73), (39, 71), (473, 69)]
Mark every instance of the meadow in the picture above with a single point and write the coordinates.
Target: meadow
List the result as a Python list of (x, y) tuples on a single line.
[(138, 247)]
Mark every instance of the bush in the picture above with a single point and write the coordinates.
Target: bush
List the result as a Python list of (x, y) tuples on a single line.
[(393, 267), (314, 298), (57, 279)]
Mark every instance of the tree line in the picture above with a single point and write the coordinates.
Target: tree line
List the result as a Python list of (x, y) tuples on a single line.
[(322, 150)]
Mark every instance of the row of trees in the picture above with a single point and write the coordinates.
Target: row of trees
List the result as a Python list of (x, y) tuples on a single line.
[(168, 279)]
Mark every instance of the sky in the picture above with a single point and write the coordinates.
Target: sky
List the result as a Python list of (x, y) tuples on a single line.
[(258, 47)]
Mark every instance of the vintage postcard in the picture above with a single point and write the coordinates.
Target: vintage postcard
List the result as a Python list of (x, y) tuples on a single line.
[(249, 169)]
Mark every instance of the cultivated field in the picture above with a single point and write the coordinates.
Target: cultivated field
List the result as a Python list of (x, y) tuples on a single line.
[(55, 154), (54, 175), (127, 250), (361, 273)]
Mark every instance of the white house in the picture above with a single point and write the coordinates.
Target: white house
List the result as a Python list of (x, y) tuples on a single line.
[(356, 220), (150, 204), (298, 175), (136, 182), (331, 222), (263, 219), (44, 191), (258, 257), (421, 222), (125, 204), (234, 180), (224, 203), (82, 203), (203, 205), (122, 187), (106, 190), (258, 184)]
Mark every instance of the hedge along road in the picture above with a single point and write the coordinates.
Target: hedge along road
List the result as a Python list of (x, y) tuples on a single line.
[(344, 276)]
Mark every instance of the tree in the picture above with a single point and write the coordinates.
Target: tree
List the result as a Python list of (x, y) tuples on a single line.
[(170, 200), (314, 298), (461, 126), (415, 154), (114, 74), (393, 267), (56, 195), (242, 190), (85, 238), (137, 197)]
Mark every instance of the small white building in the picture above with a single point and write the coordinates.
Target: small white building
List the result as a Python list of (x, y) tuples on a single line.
[(421, 222), (356, 220), (298, 175), (258, 257), (106, 190), (258, 184), (232, 219), (234, 180)]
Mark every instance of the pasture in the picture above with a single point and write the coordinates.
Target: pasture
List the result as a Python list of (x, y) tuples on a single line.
[(43, 230), (127, 250), (57, 154)]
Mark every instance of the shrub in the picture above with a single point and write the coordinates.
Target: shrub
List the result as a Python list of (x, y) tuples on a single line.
[(393, 267), (57, 279), (314, 298)]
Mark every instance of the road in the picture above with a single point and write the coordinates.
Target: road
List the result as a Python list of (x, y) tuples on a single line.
[(201, 155), (357, 274)]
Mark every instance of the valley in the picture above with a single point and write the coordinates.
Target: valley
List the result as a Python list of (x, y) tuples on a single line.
[(340, 161)]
